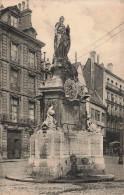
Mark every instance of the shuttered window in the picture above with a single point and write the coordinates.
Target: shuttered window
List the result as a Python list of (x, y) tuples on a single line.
[(14, 109), (14, 21), (32, 111), (31, 59), (14, 52), (31, 84)]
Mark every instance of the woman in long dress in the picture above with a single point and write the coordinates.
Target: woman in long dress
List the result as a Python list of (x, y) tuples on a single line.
[(62, 39)]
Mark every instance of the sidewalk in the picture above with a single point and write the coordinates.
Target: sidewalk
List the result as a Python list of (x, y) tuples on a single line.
[(112, 166), (17, 169)]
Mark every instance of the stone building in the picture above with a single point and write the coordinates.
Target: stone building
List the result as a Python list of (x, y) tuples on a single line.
[(110, 88), (20, 76)]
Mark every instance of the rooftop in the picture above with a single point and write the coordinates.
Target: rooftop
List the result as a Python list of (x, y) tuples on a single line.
[(95, 98)]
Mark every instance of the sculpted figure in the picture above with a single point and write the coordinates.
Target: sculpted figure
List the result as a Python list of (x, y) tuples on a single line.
[(92, 127), (62, 39), (50, 122)]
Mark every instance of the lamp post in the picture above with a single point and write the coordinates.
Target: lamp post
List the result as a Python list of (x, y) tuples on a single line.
[(120, 161)]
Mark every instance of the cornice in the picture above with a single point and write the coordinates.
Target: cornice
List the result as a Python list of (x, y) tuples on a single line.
[(17, 31), (20, 66), (19, 93)]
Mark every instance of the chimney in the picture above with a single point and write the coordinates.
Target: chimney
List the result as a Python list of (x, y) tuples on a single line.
[(19, 6), (27, 4), (93, 56), (44, 56), (48, 64), (97, 59), (23, 6), (110, 67), (1, 7), (93, 60), (44, 60), (26, 16)]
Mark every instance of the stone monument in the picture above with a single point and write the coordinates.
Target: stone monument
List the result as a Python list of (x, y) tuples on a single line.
[(66, 144)]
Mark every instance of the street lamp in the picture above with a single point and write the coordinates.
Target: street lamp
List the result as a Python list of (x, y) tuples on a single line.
[(120, 161)]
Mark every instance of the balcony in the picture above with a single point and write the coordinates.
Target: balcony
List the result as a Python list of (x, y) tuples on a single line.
[(9, 118), (113, 88)]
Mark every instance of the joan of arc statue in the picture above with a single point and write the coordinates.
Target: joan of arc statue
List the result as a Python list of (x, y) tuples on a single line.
[(62, 39)]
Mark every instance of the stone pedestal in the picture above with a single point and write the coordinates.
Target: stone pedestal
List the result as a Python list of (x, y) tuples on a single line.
[(57, 154)]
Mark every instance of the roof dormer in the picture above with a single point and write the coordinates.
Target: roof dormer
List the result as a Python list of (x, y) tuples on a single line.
[(11, 15)]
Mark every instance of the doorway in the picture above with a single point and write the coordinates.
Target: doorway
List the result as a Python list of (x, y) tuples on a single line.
[(13, 144)]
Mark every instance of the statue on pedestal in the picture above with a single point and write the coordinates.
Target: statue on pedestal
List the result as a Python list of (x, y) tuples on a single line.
[(62, 39), (61, 48)]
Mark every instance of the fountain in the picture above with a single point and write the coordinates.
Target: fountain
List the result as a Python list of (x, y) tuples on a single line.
[(65, 145)]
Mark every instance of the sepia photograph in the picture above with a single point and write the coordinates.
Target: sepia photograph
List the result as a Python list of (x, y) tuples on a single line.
[(61, 97)]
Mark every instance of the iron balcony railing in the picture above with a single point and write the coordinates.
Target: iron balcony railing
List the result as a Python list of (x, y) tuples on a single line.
[(114, 114), (20, 120), (110, 129), (114, 88)]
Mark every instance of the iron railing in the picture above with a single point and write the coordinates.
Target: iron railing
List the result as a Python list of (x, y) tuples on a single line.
[(114, 88), (20, 120)]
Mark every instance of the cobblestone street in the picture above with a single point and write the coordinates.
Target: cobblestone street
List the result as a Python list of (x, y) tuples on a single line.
[(9, 187), (22, 188)]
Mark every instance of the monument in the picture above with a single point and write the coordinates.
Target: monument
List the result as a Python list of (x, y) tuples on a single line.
[(66, 144)]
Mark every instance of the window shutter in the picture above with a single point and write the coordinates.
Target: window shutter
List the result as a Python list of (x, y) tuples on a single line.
[(11, 50), (35, 61), (19, 53)]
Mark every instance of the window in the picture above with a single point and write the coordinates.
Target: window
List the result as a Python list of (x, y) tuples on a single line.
[(120, 112), (112, 97), (120, 101), (116, 124), (31, 84), (108, 123), (92, 113), (97, 115), (108, 96), (14, 109), (112, 123), (115, 98), (112, 82), (103, 117), (14, 80), (31, 111), (108, 109), (14, 21), (116, 111), (120, 86), (14, 52), (112, 109), (108, 80), (116, 84), (31, 59)]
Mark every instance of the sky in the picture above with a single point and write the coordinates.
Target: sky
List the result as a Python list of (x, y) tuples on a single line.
[(89, 20)]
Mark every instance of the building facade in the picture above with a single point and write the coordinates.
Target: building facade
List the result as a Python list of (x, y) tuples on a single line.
[(114, 96), (96, 109), (110, 88), (20, 77)]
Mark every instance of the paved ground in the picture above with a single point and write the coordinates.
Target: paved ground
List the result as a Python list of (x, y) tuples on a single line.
[(8, 187)]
